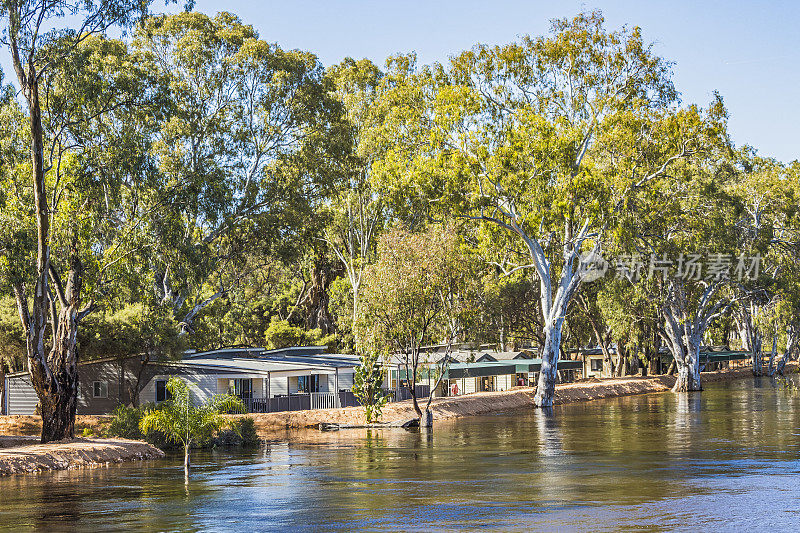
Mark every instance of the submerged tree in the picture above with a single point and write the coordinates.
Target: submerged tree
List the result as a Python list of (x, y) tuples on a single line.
[(182, 422)]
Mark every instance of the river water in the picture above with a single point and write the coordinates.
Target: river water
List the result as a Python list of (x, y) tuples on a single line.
[(724, 459)]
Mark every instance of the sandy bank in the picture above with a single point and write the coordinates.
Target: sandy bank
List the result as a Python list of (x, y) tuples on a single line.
[(73, 453), (32, 424)]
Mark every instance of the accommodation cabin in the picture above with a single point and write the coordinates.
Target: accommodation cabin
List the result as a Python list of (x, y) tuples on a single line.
[(468, 371), (302, 377)]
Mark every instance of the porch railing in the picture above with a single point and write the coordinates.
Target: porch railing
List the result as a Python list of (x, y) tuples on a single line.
[(404, 393), (300, 402), (323, 400)]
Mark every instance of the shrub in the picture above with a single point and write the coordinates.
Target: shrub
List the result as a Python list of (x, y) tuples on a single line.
[(241, 433), (125, 423), (367, 386)]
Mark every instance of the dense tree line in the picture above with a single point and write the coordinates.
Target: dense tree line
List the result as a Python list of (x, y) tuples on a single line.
[(192, 185)]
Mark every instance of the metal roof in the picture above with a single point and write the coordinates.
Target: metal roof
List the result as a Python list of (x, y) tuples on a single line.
[(504, 356), (502, 368), (256, 352), (322, 362), (715, 356)]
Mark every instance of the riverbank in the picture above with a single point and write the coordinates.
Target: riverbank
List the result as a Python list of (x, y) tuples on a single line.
[(274, 425), (74, 453)]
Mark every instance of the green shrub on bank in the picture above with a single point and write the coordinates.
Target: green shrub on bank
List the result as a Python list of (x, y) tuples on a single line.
[(126, 424), (241, 433)]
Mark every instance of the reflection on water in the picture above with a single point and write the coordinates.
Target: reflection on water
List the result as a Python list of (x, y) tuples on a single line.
[(726, 458)]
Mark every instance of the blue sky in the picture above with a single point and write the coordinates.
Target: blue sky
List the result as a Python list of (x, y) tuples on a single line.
[(749, 51)]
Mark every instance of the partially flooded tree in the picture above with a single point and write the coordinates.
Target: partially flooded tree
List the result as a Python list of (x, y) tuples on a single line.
[(419, 292), (768, 228), (686, 223), (183, 422)]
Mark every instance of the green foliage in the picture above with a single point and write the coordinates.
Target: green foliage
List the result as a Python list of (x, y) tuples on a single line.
[(281, 334), (421, 289), (12, 336), (242, 432), (182, 422), (126, 422), (367, 383), (134, 329)]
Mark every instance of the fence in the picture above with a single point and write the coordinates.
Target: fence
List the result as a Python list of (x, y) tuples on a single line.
[(422, 391), (321, 400), (300, 402)]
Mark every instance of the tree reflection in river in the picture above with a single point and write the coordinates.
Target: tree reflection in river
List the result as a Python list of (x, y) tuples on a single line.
[(651, 461)]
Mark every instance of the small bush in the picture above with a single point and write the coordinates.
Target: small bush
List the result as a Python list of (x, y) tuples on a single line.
[(125, 423), (242, 432)]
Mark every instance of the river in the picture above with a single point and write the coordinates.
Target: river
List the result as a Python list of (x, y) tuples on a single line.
[(726, 459)]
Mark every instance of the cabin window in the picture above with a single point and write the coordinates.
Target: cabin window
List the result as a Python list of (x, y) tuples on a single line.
[(308, 383), (241, 387), (162, 393), (596, 365), (99, 389)]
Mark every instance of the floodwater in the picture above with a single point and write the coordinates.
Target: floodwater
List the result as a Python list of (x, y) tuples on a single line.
[(724, 459)]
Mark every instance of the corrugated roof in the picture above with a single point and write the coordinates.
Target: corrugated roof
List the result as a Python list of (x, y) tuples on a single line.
[(504, 356), (501, 368), (322, 362)]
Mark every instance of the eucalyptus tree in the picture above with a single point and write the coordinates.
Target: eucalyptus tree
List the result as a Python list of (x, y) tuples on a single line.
[(357, 209), (631, 311), (250, 148), (685, 241), (768, 228), (420, 291), (66, 201), (539, 139)]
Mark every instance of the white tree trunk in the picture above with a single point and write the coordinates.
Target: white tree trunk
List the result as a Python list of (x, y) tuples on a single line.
[(186, 463), (685, 330), (791, 343), (546, 385), (689, 369)]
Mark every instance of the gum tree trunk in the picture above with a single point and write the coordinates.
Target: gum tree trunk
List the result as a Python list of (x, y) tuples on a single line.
[(546, 384), (750, 336), (53, 372), (55, 377), (554, 306), (689, 370), (186, 463), (684, 329), (791, 345)]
